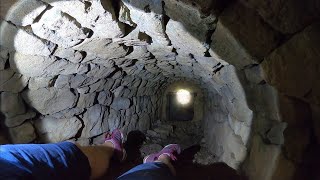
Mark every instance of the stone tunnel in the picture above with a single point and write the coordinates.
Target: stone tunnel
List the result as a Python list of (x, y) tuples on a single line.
[(76, 69)]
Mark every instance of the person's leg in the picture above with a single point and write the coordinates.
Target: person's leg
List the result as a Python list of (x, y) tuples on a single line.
[(43, 161), (155, 166), (59, 160), (99, 156)]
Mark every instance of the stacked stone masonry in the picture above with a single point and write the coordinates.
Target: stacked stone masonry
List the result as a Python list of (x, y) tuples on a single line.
[(73, 70)]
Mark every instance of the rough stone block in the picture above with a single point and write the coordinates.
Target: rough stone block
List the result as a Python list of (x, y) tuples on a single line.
[(103, 48), (12, 104), (288, 16), (39, 82), (34, 66), (86, 100), (151, 23), (12, 82), (231, 40), (59, 28), (22, 134), (188, 27), (284, 67), (19, 119), (120, 103), (21, 12), (96, 15), (95, 121), (69, 54), (50, 100), (52, 130), (262, 159), (16, 39)]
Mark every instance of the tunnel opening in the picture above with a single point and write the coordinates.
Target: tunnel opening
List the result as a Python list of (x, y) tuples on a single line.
[(180, 105), (94, 66)]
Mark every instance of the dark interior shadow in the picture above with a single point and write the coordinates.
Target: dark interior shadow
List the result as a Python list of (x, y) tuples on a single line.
[(133, 144), (187, 169)]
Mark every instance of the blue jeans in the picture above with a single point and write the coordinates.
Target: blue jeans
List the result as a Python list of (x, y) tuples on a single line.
[(62, 161)]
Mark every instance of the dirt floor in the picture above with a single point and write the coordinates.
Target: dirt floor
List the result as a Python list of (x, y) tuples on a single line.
[(193, 163)]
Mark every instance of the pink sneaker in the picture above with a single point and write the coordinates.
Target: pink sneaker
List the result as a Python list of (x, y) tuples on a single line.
[(116, 138), (170, 150)]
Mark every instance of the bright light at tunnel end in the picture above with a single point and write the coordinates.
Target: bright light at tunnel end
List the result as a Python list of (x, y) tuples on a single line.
[(183, 96)]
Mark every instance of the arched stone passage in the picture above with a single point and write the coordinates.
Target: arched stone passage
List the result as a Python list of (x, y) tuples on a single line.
[(92, 66)]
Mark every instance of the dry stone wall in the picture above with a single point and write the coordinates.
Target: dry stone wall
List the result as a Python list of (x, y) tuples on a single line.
[(76, 69)]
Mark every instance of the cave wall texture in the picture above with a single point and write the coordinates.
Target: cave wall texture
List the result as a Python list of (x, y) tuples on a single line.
[(73, 70)]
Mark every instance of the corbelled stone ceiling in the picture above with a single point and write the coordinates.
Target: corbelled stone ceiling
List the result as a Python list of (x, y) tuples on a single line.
[(75, 69)]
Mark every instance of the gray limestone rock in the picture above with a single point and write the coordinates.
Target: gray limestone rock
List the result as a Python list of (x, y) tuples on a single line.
[(281, 66), (187, 28), (51, 100), (21, 13), (68, 113), (144, 122), (150, 23), (114, 119), (39, 82), (105, 98), (230, 42), (275, 135), (12, 104), (95, 121), (51, 129), (11, 81), (24, 133), (86, 100), (19, 119), (286, 16), (97, 71), (120, 103), (254, 74), (96, 15), (4, 56), (66, 31), (34, 66), (16, 39), (103, 48), (69, 54)]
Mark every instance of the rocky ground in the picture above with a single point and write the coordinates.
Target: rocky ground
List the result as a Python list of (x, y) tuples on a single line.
[(194, 162), (188, 134)]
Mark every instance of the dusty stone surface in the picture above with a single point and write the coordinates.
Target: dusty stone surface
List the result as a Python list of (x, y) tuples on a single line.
[(95, 121), (120, 103), (12, 104), (260, 152), (22, 134), (19, 119), (282, 65), (21, 13), (34, 66), (48, 101), (23, 41), (231, 34), (286, 16), (66, 31), (55, 130), (106, 65), (11, 81)]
